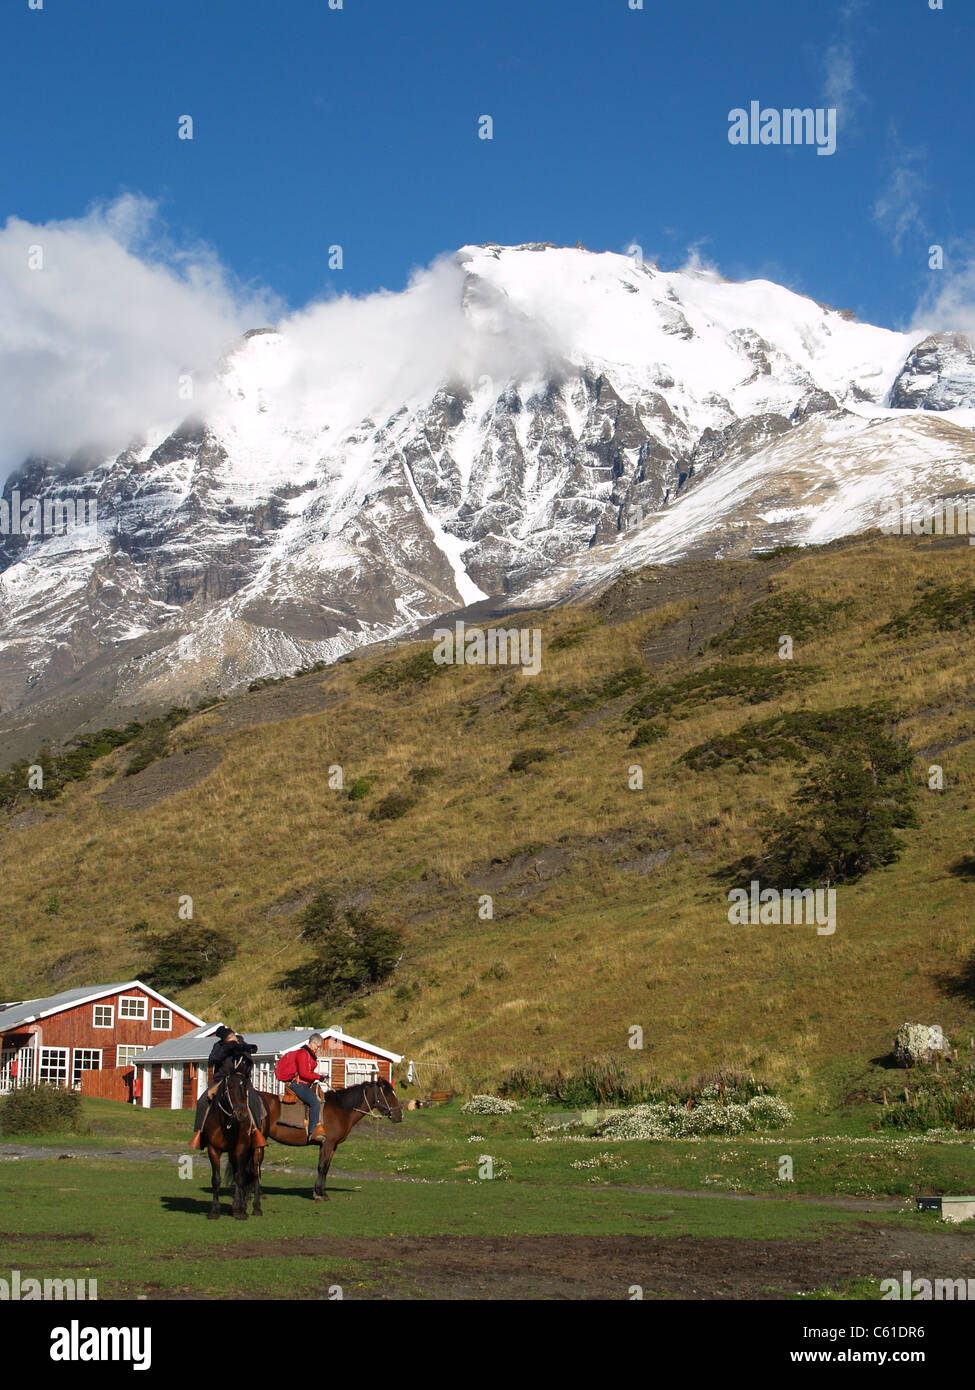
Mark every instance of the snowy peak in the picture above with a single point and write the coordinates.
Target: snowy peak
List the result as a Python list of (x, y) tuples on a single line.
[(520, 422)]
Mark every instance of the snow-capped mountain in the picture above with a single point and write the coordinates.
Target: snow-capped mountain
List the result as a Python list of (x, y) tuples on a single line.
[(566, 416)]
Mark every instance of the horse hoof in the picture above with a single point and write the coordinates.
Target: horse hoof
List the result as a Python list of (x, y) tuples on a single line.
[(213, 1215), (240, 1216), (321, 1198)]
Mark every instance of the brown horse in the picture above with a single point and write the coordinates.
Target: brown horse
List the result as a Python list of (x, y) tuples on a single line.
[(341, 1112), (229, 1129)]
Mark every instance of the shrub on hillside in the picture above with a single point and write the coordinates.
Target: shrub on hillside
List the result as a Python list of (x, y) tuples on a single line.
[(42, 1110), (489, 1105), (945, 1101), (186, 956), (841, 824), (759, 628), (408, 670), (750, 683), (646, 734), (73, 763), (944, 608), (352, 951), (709, 1117), (556, 703), (797, 735), (392, 807), (522, 761), (601, 1081)]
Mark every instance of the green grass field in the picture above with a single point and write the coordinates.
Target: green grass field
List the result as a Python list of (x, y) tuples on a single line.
[(403, 1195)]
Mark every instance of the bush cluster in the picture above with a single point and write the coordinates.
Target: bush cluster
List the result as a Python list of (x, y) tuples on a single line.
[(42, 1110), (352, 950)]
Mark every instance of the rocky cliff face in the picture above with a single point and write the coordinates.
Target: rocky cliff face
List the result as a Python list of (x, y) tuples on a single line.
[(595, 413), (939, 374)]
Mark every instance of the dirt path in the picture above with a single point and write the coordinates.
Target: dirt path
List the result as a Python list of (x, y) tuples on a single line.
[(607, 1267)]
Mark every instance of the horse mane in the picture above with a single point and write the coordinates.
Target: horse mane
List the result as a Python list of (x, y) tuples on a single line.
[(345, 1097)]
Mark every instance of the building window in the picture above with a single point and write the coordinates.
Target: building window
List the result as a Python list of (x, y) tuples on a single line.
[(357, 1069), (126, 1055), (104, 1016), (53, 1068), (131, 1006), (162, 1020), (85, 1059)]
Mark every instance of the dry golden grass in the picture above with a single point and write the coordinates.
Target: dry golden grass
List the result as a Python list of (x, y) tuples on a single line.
[(590, 943)]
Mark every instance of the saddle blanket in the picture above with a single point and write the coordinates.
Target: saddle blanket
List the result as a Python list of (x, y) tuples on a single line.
[(295, 1116)]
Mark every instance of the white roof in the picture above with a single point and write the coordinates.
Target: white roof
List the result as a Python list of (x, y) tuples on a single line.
[(30, 1010), (195, 1046), (340, 1036)]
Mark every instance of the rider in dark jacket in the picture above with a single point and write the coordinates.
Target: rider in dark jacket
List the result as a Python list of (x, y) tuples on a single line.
[(228, 1052)]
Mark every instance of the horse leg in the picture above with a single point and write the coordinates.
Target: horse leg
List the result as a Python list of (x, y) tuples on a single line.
[(257, 1158), (325, 1153), (239, 1162), (214, 1182)]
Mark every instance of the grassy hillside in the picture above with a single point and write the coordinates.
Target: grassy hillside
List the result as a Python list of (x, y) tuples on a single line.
[(610, 903)]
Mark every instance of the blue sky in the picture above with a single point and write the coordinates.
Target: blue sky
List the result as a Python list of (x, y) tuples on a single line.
[(358, 127)]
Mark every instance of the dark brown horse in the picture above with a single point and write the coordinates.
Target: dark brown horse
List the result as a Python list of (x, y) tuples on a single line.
[(341, 1112), (229, 1129)]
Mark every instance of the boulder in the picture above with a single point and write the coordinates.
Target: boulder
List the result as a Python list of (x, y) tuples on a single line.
[(917, 1043)]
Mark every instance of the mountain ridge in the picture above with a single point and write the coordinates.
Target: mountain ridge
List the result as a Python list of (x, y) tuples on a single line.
[(523, 424)]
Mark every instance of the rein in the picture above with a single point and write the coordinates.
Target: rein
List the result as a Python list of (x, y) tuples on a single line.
[(386, 1110), (224, 1094)]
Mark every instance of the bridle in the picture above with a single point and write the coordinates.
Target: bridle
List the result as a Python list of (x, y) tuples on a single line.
[(385, 1110), (224, 1095)]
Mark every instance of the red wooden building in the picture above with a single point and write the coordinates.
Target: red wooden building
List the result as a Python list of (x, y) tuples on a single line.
[(66, 1038)]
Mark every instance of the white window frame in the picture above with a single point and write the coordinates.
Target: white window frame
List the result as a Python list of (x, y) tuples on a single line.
[(161, 1027), (357, 1063), (134, 1048), (75, 1069), (65, 1052), (111, 1016), (133, 999)]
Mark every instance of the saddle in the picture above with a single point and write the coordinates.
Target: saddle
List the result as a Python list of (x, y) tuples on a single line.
[(294, 1111)]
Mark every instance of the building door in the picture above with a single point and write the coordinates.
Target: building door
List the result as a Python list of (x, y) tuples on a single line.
[(177, 1100), (15, 1068)]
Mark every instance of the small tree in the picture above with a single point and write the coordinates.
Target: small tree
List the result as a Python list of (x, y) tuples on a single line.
[(352, 950), (187, 955), (842, 822)]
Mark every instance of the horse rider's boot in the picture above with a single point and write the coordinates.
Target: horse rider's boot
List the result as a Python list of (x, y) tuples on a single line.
[(195, 1141), (317, 1134)]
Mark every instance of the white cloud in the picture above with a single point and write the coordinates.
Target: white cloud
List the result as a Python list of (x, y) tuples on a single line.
[(841, 88), (949, 302), (93, 343), (897, 208)]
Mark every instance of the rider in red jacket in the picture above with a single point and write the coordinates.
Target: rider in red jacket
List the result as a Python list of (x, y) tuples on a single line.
[(303, 1082)]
